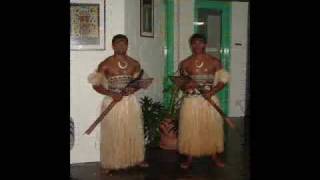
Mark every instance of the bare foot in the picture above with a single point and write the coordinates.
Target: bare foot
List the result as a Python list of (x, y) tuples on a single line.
[(143, 164), (106, 171), (185, 165), (218, 163)]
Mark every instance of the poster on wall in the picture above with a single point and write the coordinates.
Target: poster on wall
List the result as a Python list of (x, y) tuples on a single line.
[(87, 27), (146, 18)]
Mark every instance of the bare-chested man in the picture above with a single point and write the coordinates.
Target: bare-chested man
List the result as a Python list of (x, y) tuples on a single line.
[(122, 136), (200, 125)]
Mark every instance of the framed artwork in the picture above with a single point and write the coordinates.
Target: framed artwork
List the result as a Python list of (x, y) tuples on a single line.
[(146, 18), (87, 26)]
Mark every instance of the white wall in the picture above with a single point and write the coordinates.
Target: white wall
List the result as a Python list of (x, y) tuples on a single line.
[(122, 16), (85, 102), (184, 28), (148, 51), (238, 58)]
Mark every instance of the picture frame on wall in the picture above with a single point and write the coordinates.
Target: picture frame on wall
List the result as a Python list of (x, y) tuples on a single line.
[(87, 24), (147, 18)]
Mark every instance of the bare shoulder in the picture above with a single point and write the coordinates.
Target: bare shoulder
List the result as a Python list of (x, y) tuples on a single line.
[(216, 62), (185, 61), (134, 62), (103, 65)]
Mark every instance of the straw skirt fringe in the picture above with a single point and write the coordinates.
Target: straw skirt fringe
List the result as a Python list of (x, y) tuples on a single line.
[(200, 127), (122, 138)]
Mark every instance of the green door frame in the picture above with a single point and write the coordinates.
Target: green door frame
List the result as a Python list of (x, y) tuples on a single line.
[(169, 66), (225, 8)]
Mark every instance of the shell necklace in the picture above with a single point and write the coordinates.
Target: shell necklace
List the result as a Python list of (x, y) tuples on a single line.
[(198, 66), (122, 66)]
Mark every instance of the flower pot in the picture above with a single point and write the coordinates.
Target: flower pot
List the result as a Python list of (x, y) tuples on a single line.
[(168, 137)]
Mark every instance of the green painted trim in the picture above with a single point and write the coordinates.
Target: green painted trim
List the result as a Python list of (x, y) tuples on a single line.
[(169, 66), (211, 4), (225, 7), (226, 54)]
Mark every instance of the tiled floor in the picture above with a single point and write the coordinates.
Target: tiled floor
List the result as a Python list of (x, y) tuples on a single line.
[(164, 165)]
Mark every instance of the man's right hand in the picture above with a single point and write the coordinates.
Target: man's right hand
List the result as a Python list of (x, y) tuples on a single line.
[(127, 91), (116, 96), (190, 87)]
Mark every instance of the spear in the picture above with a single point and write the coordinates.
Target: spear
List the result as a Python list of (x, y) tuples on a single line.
[(136, 83), (181, 81)]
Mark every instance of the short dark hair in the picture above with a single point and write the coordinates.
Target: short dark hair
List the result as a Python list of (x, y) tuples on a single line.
[(119, 36), (198, 36)]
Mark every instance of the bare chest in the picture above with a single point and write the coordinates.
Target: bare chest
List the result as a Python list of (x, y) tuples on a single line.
[(116, 68), (199, 67)]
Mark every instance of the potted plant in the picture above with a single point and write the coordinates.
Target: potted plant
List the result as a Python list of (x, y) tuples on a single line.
[(153, 114), (160, 123), (169, 125)]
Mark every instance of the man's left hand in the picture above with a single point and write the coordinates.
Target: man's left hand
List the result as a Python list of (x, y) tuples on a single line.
[(209, 94), (127, 91)]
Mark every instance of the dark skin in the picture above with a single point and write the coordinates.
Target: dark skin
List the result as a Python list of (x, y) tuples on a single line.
[(210, 66), (109, 67)]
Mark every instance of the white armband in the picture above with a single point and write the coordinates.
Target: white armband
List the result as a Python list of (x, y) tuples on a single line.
[(222, 76), (97, 78)]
